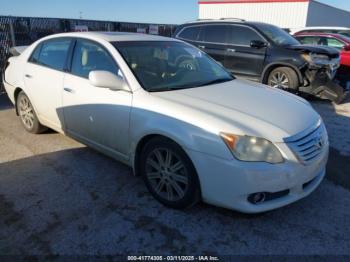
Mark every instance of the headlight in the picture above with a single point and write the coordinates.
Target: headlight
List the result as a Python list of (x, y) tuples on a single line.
[(317, 59), (252, 149)]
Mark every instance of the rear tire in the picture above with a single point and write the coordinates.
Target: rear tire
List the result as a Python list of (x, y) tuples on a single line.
[(28, 117), (284, 78), (169, 174)]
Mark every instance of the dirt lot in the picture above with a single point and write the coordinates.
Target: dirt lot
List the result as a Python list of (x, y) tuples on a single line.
[(59, 197)]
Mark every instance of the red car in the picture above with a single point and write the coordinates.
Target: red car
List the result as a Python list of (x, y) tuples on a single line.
[(340, 42)]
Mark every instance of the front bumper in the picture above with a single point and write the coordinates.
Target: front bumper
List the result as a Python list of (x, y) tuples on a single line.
[(320, 82), (229, 183)]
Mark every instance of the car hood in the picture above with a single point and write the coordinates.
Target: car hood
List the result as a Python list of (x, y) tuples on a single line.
[(242, 107), (315, 49)]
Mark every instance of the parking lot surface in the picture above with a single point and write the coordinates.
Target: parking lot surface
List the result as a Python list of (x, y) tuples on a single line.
[(60, 197)]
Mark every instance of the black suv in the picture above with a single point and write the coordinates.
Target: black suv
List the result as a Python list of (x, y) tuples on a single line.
[(268, 54)]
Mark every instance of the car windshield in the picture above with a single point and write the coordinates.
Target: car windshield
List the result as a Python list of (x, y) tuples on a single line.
[(344, 33), (277, 35), (169, 65)]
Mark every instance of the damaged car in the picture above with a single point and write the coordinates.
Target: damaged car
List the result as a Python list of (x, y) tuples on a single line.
[(266, 53)]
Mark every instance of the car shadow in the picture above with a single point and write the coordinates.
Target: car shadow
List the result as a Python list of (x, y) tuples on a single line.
[(5, 102), (343, 76), (337, 121), (77, 201)]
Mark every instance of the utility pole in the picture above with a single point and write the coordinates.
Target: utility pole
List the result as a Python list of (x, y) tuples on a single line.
[(80, 15)]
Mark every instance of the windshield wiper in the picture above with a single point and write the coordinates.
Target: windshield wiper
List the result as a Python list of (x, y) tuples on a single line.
[(161, 89), (192, 85)]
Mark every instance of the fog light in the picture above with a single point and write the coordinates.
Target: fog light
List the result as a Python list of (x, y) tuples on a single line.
[(257, 198)]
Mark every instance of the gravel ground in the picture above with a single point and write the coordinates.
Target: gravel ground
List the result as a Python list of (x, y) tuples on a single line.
[(60, 197)]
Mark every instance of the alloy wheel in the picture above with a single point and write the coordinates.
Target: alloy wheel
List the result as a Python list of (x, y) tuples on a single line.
[(167, 174), (26, 112), (279, 80)]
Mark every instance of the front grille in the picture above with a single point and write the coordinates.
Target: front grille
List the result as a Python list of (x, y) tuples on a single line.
[(309, 146)]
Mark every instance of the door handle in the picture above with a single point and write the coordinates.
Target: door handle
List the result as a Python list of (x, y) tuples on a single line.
[(201, 46), (28, 76), (69, 90), (231, 50)]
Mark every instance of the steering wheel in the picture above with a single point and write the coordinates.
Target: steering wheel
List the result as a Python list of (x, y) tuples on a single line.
[(188, 64)]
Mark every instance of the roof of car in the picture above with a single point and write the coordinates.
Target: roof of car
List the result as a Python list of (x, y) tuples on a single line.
[(115, 36), (324, 27), (216, 20), (315, 28), (226, 20), (338, 36)]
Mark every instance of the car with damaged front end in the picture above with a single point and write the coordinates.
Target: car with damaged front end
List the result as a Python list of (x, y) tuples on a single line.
[(266, 53)]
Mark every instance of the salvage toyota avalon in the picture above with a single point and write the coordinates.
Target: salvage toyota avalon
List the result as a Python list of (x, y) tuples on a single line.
[(178, 118)]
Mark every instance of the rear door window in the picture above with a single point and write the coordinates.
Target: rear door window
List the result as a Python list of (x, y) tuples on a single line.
[(215, 34), (190, 33), (53, 53)]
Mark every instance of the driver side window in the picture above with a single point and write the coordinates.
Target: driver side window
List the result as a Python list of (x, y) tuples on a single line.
[(89, 56), (242, 36)]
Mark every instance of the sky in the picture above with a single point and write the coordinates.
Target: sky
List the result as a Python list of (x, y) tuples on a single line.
[(148, 11)]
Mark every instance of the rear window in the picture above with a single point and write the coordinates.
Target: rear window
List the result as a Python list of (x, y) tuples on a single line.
[(190, 33)]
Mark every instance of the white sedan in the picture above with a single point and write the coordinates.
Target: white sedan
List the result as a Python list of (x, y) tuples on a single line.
[(178, 118)]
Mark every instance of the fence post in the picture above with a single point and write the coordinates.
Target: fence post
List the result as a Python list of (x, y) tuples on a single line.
[(12, 34)]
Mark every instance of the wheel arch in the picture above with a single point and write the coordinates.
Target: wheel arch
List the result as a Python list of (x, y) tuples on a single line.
[(268, 69), (188, 136), (15, 96), (141, 144)]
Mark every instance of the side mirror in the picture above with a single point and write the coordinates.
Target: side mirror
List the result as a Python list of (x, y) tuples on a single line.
[(347, 48), (258, 44), (105, 79)]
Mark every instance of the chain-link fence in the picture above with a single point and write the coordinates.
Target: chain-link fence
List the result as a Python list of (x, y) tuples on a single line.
[(17, 31)]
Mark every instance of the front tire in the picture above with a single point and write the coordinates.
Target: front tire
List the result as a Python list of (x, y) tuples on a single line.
[(169, 174), (26, 112), (284, 78)]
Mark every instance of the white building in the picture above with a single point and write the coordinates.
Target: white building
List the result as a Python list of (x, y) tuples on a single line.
[(283, 13)]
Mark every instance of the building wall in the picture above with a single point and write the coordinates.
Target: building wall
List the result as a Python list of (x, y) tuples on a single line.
[(323, 15), (281, 13)]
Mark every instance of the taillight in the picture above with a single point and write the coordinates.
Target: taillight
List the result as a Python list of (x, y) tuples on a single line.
[(7, 63)]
